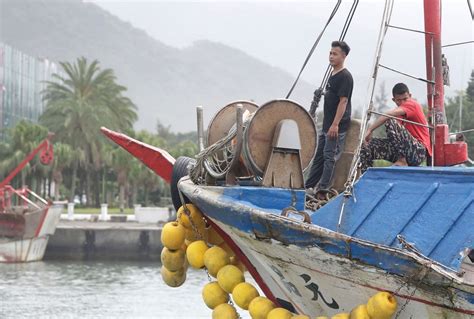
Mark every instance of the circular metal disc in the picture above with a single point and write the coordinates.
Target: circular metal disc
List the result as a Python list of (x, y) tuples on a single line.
[(223, 121), (259, 133)]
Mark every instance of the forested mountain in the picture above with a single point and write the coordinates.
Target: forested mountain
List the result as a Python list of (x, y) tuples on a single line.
[(165, 83)]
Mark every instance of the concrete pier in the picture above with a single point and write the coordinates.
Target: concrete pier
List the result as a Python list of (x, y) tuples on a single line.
[(85, 240)]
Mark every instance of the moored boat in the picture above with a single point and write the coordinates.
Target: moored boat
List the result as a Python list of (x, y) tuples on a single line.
[(26, 219), (404, 230), (25, 228)]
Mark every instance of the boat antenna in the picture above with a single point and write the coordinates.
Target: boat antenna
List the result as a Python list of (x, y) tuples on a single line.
[(333, 13)]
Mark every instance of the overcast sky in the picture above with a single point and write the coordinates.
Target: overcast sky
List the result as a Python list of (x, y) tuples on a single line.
[(281, 33)]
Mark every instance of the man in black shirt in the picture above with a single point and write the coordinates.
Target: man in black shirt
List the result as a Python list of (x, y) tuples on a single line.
[(337, 117)]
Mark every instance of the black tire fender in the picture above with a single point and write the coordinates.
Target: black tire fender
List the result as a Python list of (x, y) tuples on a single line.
[(180, 169)]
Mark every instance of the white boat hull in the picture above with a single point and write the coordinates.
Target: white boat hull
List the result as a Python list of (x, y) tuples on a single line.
[(13, 250), (317, 283)]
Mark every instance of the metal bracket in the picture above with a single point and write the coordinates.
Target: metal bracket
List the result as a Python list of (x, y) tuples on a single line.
[(291, 210), (284, 167), (230, 177)]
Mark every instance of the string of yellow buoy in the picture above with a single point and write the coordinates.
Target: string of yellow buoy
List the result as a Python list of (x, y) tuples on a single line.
[(189, 241)]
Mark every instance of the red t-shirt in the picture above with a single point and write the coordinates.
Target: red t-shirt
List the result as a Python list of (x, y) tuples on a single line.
[(414, 112)]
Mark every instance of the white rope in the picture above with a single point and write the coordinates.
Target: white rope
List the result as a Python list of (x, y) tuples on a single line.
[(205, 160), (216, 159)]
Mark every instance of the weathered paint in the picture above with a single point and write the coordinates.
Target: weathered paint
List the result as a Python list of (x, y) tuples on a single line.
[(50, 222), (33, 248), (273, 242), (318, 283), (431, 208)]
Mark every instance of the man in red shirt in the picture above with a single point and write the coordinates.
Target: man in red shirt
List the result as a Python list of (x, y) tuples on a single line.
[(406, 144)]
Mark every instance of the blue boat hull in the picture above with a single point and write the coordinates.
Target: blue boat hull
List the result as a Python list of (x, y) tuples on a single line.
[(314, 269)]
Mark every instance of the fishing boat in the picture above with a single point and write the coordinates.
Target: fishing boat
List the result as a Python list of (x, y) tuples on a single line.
[(26, 219), (404, 230)]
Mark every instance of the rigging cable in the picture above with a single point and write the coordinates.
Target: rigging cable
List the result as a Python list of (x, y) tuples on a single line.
[(470, 9), (319, 91), (458, 43), (333, 13), (387, 14), (349, 185)]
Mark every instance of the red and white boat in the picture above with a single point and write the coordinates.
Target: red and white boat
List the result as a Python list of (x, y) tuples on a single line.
[(25, 228), (26, 219)]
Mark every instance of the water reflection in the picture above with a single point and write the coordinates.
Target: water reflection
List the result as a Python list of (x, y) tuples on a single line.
[(54, 289)]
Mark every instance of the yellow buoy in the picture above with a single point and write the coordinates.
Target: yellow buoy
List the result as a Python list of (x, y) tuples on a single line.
[(172, 235), (382, 305), (173, 278), (229, 276), (194, 234), (279, 313), (213, 295), (260, 307), (196, 217), (342, 315), (195, 253), (360, 312), (243, 294), (234, 260), (214, 259), (321, 317), (213, 237), (300, 317), (224, 311), (227, 249), (173, 260)]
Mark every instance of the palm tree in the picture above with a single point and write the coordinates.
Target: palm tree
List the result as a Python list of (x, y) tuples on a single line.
[(78, 103), (24, 137), (136, 170), (63, 156), (147, 179), (121, 164)]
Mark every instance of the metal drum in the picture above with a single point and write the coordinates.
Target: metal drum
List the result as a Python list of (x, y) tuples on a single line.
[(223, 121), (221, 124), (258, 136)]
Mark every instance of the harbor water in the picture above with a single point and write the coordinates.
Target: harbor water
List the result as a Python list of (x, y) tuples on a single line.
[(65, 289)]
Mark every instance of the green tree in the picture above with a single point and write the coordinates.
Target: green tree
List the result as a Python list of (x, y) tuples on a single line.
[(470, 88), (63, 157), (122, 164), (23, 138), (381, 100), (78, 103), (452, 107)]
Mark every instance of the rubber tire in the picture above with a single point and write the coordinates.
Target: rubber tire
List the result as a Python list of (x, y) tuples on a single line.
[(180, 169)]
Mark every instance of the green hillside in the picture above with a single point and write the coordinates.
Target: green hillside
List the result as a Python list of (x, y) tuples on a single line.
[(166, 83)]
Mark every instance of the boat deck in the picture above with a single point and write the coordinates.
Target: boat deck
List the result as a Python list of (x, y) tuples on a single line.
[(430, 210)]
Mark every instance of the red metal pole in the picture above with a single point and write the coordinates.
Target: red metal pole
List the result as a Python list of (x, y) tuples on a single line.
[(44, 145), (445, 152), (433, 57)]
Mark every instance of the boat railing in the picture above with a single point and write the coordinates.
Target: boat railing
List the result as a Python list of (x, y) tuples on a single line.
[(37, 196), (23, 199), (401, 119)]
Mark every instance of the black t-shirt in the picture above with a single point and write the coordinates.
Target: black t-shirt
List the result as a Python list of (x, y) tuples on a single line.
[(339, 85)]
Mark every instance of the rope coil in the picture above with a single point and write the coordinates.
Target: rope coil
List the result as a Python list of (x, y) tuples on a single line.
[(216, 159)]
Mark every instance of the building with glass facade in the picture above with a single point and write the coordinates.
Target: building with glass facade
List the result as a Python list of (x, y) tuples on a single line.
[(22, 79)]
